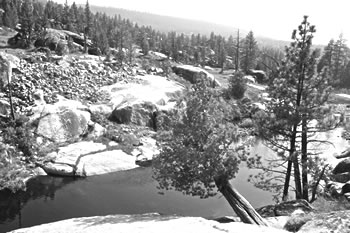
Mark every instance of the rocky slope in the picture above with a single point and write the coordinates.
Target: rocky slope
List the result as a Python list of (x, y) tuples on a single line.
[(87, 115)]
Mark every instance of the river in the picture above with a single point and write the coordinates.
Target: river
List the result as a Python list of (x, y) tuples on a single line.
[(51, 199)]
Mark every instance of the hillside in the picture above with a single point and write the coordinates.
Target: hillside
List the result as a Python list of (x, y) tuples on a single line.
[(181, 25), (167, 23)]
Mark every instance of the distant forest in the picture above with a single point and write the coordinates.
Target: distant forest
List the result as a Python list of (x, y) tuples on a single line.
[(113, 33)]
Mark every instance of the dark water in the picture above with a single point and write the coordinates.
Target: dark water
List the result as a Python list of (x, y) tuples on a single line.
[(51, 199)]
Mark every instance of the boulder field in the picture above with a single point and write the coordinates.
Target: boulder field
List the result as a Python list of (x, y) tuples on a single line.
[(129, 103), (69, 99)]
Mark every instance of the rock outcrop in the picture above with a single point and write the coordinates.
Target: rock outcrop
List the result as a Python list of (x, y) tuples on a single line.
[(195, 74), (342, 166), (145, 223), (138, 103), (60, 122), (61, 40), (260, 75), (340, 179)]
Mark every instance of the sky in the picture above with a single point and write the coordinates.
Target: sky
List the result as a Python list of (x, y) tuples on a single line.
[(270, 18)]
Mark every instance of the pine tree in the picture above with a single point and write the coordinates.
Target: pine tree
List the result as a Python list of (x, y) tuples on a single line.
[(298, 94), (326, 59), (145, 44), (87, 26), (222, 55), (336, 57), (10, 16), (237, 51), (74, 18), (339, 59), (27, 22), (250, 51), (66, 16)]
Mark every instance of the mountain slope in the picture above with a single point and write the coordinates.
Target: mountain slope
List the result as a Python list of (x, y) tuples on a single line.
[(187, 26), (168, 23)]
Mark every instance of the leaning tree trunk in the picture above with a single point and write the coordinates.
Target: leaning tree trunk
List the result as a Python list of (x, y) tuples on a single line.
[(239, 204)]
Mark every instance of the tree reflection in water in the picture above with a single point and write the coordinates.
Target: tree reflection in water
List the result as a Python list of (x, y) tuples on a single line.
[(11, 204)]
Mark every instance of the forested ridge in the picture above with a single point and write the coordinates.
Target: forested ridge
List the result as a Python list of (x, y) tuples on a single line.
[(107, 31), (114, 32)]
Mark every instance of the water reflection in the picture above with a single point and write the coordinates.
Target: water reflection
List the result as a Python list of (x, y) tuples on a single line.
[(51, 199), (40, 187)]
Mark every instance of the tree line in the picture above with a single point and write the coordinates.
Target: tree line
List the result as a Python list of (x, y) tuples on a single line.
[(31, 17)]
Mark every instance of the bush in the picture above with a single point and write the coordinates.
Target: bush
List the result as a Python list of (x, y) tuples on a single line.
[(19, 135), (17, 141), (237, 86), (12, 169)]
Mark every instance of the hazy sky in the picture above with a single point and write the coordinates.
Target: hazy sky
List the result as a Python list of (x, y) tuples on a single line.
[(270, 18)]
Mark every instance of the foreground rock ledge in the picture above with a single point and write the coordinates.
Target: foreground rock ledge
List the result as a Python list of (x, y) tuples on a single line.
[(145, 223)]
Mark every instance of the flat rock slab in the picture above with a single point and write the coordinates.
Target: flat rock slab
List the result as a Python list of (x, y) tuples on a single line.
[(87, 159), (71, 153), (144, 224), (105, 162)]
